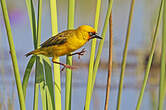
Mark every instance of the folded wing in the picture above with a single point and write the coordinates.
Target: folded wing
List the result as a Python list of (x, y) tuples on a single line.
[(58, 39)]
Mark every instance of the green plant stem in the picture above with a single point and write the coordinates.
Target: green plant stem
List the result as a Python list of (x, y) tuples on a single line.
[(39, 23), (49, 84), (36, 92), (163, 55), (68, 92), (123, 66), (43, 91), (31, 14), (109, 65), (13, 55), (56, 66), (92, 56), (97, 61), (39, 79), (39, 76), (150, 57)]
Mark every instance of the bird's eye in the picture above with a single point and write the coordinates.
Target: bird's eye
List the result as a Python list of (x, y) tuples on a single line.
[(91, 33)]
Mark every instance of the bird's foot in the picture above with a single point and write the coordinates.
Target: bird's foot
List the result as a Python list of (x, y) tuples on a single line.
[(64, 65), (68, 66), (81, 53)]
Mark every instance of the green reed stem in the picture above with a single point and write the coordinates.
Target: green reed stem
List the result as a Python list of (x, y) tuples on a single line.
[(49, 86), (56, 66), (43, 95), (68, 93), (31, 14), (39, 75), (123, 66), (163, 55), (39, 23), (39, 79), (101, 44), (92, 56), (13, 56), (36, 92), (150, 57)]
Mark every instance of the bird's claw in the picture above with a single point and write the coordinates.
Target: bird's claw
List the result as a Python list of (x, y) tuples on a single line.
[(81, 53), (68, 66)]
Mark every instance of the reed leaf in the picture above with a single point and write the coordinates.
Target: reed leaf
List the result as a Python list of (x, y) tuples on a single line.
[(68, 92), (150, 57), (163, 55), (13, 56), (31, 14), (27, 74), (49, 84), (92, 56), (56, 66)]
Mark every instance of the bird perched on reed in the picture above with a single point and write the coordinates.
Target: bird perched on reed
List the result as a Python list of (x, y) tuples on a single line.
[(66, 42)]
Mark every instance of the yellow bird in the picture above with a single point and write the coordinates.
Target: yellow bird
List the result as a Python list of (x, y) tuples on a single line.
[(66, 42)]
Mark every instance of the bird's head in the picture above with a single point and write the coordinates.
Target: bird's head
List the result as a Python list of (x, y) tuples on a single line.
[(91, 32)]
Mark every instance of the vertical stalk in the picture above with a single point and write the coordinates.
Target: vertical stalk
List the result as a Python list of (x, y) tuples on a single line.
[(56, 66), (13, 56), (163, 54), (150, 57), (39, 75), (39, 23), (109, 65), (36, 95), (49, 84), (92, 56), (123, 66), (68, 92), (91, 85), (31, 13), (101, 44)]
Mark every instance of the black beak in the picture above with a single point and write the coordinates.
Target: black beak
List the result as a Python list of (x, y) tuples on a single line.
[(95, 36)]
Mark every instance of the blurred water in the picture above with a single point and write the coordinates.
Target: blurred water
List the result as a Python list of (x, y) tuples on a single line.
[(143, 24)]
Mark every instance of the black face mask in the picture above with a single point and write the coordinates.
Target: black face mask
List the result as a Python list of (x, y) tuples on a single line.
[(94, 35)]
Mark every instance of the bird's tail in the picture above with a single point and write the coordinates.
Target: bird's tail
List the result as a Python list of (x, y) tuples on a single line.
[(35, 52)]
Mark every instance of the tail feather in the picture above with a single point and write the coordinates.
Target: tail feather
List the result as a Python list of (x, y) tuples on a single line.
[(35, 52)]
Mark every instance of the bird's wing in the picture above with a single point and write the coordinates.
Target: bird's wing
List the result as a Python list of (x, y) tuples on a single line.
[(58, 39)]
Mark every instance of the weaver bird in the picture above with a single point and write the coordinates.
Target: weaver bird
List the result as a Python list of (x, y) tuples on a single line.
[(66, 42)]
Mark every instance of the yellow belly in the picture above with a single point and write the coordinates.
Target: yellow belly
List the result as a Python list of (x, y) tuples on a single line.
[(59, 50)]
